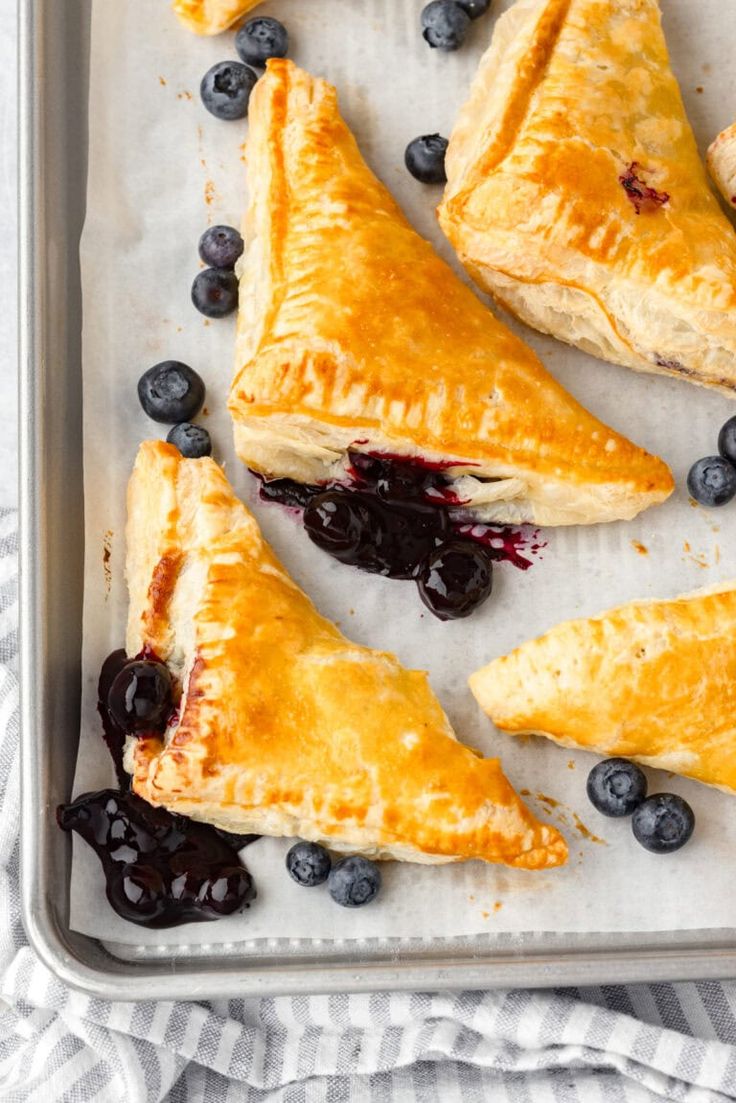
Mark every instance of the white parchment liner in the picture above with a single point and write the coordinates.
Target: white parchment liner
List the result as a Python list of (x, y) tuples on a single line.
[(161, 170)]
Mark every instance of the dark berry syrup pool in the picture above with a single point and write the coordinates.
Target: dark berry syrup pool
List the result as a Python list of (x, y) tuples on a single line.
[(161, 869), (402, 519)]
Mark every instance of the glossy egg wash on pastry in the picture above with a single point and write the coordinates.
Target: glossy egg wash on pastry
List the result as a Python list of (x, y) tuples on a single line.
[(577, 197), (653, 681), (279, 725), (365, 366)]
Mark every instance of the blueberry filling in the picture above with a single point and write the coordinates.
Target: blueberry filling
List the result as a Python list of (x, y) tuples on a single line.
[(161, 869), (642, 196), (113, 734), (288, 493), (360, 530), (393, 518), (455, 579), (140, 696)]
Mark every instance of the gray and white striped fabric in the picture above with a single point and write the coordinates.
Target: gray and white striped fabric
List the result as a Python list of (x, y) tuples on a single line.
[(616, 1044)]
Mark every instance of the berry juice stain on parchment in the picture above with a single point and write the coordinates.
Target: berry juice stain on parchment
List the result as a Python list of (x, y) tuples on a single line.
[(519, 547)]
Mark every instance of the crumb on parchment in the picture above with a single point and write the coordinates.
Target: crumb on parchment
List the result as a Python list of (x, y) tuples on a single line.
[(106, 556)]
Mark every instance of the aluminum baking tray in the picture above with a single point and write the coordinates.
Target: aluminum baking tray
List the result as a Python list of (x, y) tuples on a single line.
[(54, 50)]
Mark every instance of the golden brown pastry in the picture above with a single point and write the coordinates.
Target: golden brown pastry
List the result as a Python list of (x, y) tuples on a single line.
[(284, 726), (721, 162), (577, 197), (212, 16), (653, 680), (354, 334)]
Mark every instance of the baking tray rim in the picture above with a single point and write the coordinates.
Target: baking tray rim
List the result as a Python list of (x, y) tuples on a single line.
[(82, 962)]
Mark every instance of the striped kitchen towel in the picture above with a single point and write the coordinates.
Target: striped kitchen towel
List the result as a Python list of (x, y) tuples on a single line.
[(620, 1044)]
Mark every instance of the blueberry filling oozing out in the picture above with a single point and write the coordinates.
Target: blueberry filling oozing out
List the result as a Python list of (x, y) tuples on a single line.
[(128, 690), (455, 579), (393, 518), (360, 530), (642, 196), (113, 734), (161, 869), (140, 697)]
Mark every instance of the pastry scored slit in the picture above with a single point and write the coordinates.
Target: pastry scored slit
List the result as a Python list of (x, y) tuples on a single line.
[(209, 17), (354, 335), (577, 197), (285, 727), (654, 681)]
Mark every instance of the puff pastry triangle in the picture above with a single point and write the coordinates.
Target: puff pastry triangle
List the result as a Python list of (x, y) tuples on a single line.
[(577, 197), (353, 333), (212, 16), (284, 726), (653, 680)]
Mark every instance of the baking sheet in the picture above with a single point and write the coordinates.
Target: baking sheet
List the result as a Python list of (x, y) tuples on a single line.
[(161, 170)]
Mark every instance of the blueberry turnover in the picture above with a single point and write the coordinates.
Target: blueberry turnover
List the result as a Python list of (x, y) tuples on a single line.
[(651, 681), (365, 367), (283, 726), (582, 219)]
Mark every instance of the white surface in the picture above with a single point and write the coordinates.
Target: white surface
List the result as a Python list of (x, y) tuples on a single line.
[(8, 254), (156, 155)]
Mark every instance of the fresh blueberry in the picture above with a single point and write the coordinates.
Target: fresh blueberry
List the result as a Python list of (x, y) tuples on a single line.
[(455, 579), (353, 882), (425, 159), (444, 25), (712, 481), (140, 696), (215, 292), (474, 8), (220, 246), (663, 823), (261, 38), (193, 441), (226, 89), (616, 787), (727, 441), (308, 864), (171, 392)]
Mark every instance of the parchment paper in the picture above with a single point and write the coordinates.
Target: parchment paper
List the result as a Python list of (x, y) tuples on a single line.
[(161, 170)]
